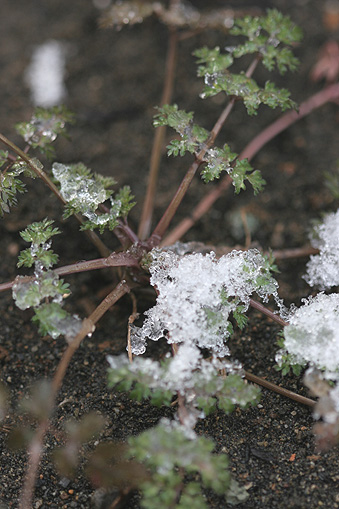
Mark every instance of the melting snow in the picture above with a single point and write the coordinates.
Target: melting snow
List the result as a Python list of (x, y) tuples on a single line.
[(45, 75), (323, 269)]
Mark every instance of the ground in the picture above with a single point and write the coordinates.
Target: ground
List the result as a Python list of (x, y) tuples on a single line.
[(114, 79)]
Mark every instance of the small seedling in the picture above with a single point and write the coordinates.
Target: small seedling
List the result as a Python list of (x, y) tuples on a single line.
[(200, 298)]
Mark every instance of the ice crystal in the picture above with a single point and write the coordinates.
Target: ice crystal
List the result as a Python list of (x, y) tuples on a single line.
[(197, 293), (45, 75), (323, 269), (85, 190), (313, 332), (30, 293)]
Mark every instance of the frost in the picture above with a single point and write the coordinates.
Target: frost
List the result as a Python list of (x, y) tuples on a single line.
[(85, 190), (30, 293), (69, 326), (313, 332), (323, 269), (45, 75), (198, 292), (138, 342)]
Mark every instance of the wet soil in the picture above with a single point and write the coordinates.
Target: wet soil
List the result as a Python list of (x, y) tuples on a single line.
[(114, 79)]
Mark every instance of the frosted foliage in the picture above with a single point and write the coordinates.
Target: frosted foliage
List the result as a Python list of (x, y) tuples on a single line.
[(45, 75), (313, 332), (68, 326), (85, 190), (323, 269), (29, 293), (192, 305), (185, 371)]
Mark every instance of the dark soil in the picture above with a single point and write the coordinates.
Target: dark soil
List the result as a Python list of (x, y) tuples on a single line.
[(114, 80)]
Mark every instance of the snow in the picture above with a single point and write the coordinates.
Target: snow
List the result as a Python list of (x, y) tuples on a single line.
[(323, 269), (313, 332), (197, 294), (45, 74)]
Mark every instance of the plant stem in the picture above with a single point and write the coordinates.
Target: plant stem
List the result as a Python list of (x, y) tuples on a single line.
[(164, 222), (148, 207), (167, 217), (113, 260), (330, 93), (297, 252), (35, 450), (102, 248), (263, 309), (280, 390)]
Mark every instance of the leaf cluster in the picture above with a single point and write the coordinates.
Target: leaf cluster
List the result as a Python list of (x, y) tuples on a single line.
[(265, 35), (222, 159), (10, 184), (171, 454), (44, 127), (192, 135), (39, 234), (85, 191)]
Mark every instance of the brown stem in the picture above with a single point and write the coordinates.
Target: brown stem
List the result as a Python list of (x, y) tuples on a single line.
[(36, 446), (298, 252), (148, 207), (186, 182), (113, 260), (330, 93), (102, 248), (263, 309), (280, 390)]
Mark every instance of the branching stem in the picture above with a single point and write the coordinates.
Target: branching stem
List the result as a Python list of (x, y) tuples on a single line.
[(102, 248), (113, 260), (35, 450), (164, 222), (330, 93)]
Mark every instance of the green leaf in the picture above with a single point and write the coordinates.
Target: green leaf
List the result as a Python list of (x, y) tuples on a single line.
[(170, 115), (84, 191), (213, 60), (56, 321), (44, 127), (217, 161), (265, 36), (10, 185), (243, 171), (182, 122), (39, 232)]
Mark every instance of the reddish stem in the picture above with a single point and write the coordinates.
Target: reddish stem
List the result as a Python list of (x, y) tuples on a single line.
[(114, 260), (330, 93), (260, 307), (35, 450), (147, 212)]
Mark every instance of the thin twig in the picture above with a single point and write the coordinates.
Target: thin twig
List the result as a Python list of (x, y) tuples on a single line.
[(35, 450), (298, 252), (266, 311), (148, 207), (113, 260), (280, 390), (330, 93), (102, 248)]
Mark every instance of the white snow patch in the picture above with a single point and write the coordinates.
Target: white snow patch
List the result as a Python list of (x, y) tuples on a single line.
[(323, 269), (313, 332), (46, 72)]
